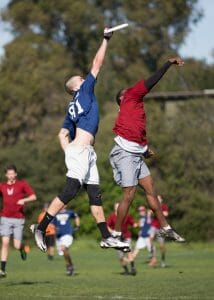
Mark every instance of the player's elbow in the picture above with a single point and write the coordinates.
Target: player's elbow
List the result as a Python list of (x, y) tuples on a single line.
[(62, 134)]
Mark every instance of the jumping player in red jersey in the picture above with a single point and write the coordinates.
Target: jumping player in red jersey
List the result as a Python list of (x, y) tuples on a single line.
[(127, 156), (14, 193)]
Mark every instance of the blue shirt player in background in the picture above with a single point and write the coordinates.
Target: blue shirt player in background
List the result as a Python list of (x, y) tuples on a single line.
[(64, 235), (143, 240), (77, 137)]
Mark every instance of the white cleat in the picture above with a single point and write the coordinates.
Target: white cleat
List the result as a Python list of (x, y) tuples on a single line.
[(39, 237), (116, 243), (170, 234)]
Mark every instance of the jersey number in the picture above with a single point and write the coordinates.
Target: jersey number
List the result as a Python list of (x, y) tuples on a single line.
[(72, 110)]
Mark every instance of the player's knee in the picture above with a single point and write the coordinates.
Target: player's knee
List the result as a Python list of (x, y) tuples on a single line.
[(71, 188), (94, 194)]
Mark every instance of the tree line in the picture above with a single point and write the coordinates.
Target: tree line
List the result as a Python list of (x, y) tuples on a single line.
[(54, 39)]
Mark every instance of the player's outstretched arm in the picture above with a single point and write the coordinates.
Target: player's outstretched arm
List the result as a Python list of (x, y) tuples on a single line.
[(153, 80), (100, 55)]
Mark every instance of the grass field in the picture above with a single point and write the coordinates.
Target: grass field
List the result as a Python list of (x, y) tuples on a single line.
[(189, 275)]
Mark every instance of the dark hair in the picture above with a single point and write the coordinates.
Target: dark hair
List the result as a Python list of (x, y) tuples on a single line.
[(10, 167), (118, 97)]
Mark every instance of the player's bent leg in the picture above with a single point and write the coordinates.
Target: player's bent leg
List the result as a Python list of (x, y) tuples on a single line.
[(123, 208), (5, 248), (95, 202), (20, 246), (166, 231), (4, 255), (68, 261), (70, 190), (147, 184)]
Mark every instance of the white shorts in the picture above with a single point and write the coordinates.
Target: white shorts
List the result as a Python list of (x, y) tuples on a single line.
[(63, 241), (81, 163), (143, 242)]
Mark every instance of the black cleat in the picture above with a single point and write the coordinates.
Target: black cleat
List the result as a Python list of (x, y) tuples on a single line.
[(70, 270), (170, 234), (133, 272), (23, 254)]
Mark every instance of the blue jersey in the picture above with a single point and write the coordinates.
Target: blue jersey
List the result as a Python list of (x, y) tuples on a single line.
[(62, 221), (144, 227), (82, 111)]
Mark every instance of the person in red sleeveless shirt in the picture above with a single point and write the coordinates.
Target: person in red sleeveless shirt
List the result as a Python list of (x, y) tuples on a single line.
[(129, 222), (15, 194), (128, 154)]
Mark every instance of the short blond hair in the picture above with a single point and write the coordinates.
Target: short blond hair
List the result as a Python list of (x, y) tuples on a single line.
[(69, 84)]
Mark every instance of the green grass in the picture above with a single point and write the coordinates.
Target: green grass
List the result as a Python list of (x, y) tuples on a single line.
[(189, 275)]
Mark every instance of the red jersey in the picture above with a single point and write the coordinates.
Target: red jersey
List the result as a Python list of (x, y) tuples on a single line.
[(129, 221), (11, 193), (131, 120), (155, 223)]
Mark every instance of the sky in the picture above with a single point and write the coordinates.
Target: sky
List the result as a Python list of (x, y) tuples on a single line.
[(199, 43)]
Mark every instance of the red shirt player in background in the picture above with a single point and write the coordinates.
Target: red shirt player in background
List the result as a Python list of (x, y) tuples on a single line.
[(15, 193), (127, 156), (127, 237), (153, 232)]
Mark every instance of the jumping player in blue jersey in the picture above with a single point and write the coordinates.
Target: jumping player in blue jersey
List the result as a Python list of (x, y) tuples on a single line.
[(77, 137), (64, 235)]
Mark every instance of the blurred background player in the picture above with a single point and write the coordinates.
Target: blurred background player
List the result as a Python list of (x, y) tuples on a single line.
[(143, 240), (15, 194), (50, 235), (131, 148), (125, 259), (154, 232), (64, 235)]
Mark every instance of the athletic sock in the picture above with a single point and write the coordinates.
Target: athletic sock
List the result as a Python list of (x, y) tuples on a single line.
[(132, 264), (21, 247), (45, 221), (167, 227), (163, 257), (116, 233), (50, 257), (103, 230), (3, 265), (126, 269)]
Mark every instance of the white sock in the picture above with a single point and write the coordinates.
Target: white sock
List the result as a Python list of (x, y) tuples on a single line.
[(167, 227), (116, 233)]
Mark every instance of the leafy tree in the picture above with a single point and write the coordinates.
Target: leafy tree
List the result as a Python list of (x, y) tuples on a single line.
[(53, 39)]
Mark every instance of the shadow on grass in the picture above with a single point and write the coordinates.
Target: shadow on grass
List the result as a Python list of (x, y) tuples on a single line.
[(28, 283)]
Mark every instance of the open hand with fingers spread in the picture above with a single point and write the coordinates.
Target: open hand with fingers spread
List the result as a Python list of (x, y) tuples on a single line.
[(177, 61)]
